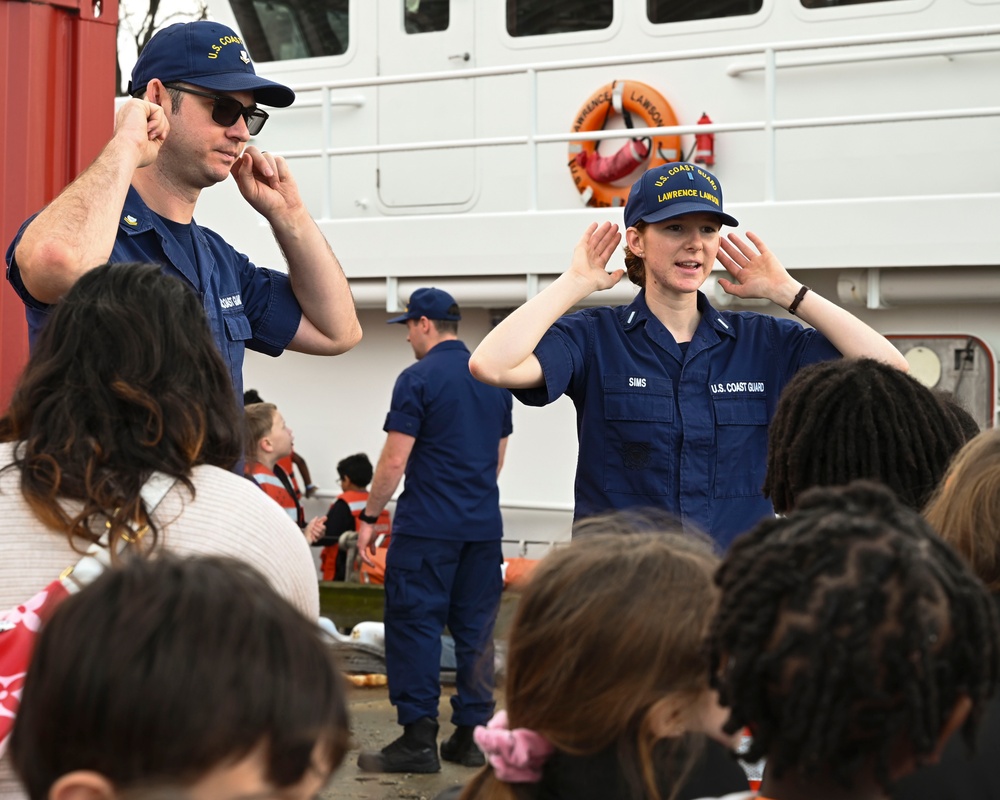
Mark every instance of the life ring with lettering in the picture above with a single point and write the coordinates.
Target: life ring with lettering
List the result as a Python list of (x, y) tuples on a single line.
[(594, 173)]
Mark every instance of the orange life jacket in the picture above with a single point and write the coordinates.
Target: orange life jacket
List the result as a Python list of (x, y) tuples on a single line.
[(356, 501)]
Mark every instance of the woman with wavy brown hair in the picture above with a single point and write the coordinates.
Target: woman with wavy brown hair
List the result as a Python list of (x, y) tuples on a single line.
[(124, 381), (965, 508), (965, 511)]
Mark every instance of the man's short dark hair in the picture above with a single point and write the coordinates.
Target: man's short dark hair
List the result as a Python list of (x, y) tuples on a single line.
[(358, 468), (447, 326), (167, 668)]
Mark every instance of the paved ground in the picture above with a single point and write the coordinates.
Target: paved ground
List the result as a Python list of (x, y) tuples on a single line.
[(374, 723)]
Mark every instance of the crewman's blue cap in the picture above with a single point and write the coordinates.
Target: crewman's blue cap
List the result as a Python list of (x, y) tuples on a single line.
[(431, 303), (672, 190), (207, 54)]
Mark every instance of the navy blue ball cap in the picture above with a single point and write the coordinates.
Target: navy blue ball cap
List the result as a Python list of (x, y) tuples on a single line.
[(431, 303), (206, 54), (672, 190)]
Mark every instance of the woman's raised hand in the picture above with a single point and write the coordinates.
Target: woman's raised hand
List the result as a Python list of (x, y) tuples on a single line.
[(592, 253)]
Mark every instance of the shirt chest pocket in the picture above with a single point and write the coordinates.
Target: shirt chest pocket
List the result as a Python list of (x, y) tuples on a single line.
[(232, 341), (237, 325), (741, 444), (638, 422)]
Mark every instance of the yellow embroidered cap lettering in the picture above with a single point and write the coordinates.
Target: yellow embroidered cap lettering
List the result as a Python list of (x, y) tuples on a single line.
[(676, 190), (208, 55)]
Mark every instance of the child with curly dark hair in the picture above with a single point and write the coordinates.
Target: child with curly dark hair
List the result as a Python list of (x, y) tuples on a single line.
[(852, 642), (859, 419)]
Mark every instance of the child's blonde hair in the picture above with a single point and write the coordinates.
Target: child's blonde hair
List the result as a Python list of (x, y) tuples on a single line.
[(258, 419)]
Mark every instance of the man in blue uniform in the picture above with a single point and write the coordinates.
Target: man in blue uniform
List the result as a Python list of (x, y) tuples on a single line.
[(193, 110), (448, 433)]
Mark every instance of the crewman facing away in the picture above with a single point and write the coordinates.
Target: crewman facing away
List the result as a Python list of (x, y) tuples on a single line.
[(448, 433)]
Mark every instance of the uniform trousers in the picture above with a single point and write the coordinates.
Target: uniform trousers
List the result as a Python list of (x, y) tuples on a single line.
[(430, 584)]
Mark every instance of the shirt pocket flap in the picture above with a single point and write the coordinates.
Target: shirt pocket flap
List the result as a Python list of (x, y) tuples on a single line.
[(638, 399), (740, 410), (237, 327)]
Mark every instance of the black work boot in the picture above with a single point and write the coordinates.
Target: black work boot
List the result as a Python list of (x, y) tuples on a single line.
[(414, 751), (461, 748)]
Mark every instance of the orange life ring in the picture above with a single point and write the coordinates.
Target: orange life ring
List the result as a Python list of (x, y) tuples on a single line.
[(622, 97)]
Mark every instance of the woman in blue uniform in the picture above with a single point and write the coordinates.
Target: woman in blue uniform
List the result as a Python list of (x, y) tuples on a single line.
[(673, 397)]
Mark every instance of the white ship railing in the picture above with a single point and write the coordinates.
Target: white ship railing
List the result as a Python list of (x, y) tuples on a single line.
[(770, 124), (327, 496)]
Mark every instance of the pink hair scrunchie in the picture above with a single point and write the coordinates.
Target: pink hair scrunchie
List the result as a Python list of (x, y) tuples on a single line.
[(516, 755)]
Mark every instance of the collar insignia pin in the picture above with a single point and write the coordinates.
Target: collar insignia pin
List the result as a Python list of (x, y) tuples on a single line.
[(130, 220)]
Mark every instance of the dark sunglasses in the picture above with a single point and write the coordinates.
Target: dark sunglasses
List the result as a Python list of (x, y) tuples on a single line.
[(226, 110)]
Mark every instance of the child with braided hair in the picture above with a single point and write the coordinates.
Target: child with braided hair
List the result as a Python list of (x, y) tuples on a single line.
[(607, 692), (956, 409), (858, 419), (852, 642)]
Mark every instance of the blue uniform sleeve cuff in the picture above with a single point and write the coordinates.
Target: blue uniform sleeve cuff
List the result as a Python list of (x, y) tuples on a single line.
[(557, 369), (401, 423), (14, 271), (820, 349), (273, 332)]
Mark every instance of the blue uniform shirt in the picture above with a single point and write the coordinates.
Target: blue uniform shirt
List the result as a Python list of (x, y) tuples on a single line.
[(450, 491), (678, 427), (246, 306)]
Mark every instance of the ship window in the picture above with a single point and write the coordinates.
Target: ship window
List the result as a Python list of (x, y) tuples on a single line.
[(426, 16), (280, 30), (538, 17), (833, 3), (661, 11)]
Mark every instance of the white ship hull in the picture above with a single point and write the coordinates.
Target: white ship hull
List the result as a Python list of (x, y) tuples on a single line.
[(861, 142)]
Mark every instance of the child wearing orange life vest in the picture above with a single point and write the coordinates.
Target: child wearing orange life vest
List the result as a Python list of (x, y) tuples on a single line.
[(269, 439), (355, 474), (287, 464)]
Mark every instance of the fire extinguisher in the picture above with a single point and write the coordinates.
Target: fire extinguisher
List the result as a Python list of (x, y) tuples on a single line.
[(704, 144)]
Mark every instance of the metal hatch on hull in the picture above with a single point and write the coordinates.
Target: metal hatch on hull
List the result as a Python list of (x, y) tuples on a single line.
[(958, 365)]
